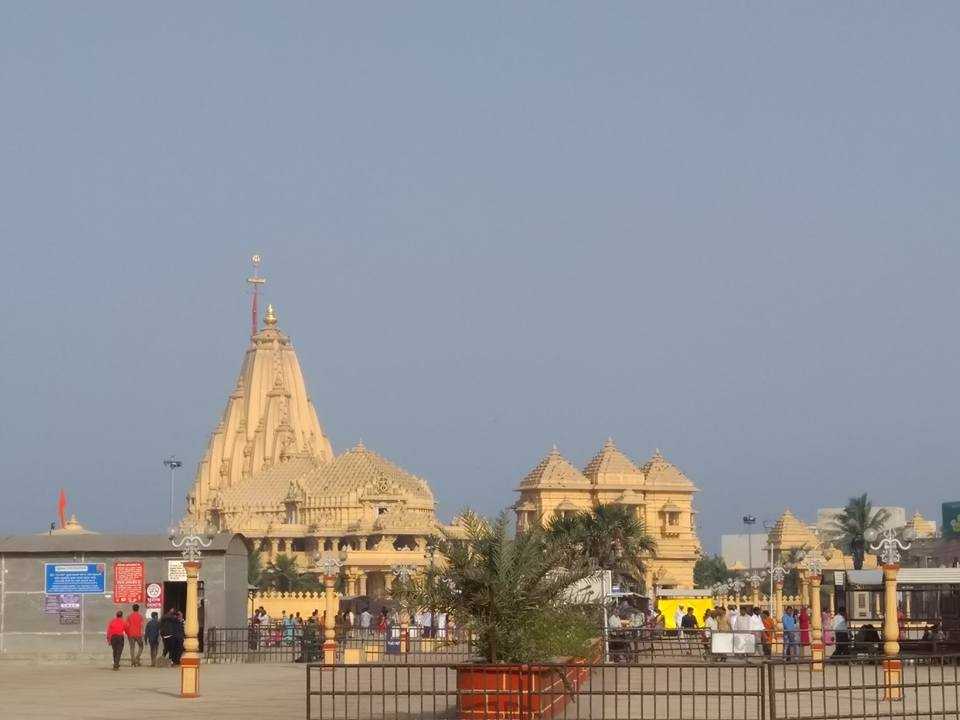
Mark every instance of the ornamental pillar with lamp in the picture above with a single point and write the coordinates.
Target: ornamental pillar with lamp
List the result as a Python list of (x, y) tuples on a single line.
[(814, 563), (888, 548), (777, 574), (755, 580), (329, 565), (403, 573), (191, 541)]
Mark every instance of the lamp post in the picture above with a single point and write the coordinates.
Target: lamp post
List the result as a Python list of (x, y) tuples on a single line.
[(755, 580), (815, 562), (888, 548), (777, 574), (749, 521), (736, 585), (403, 573), (191, 541), (432, 546), (329, 565), (173, 464)]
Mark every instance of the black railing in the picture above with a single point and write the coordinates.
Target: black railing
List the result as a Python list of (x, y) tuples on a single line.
[(926, 687), (277, 644)]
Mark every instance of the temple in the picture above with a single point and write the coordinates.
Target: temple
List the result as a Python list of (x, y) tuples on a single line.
[(660, 495), (269, 472)]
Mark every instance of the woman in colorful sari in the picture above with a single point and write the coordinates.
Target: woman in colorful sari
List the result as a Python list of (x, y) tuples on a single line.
[(804, 623)]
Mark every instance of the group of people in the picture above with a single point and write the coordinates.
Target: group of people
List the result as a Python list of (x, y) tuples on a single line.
[(132, 629)]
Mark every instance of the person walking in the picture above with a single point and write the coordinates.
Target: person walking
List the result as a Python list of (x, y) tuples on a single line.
[(167, 633), (790, 640), (803, 623), (769, 630), (152, 633), (134, 631), (365, 618), (115, 632)]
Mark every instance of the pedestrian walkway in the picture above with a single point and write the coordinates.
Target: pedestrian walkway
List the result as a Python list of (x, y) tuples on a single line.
[(30, 691)]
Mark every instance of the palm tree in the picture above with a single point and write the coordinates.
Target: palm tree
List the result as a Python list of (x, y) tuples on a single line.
[(610, 536), (284, 574), (514, 593), (850, 526), (254, 567)]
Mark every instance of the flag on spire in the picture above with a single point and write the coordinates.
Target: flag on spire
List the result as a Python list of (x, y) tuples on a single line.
[(62, 508)]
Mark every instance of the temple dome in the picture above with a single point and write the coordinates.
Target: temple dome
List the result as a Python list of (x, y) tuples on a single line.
[(554, 471), (662, 474), (612, 466)]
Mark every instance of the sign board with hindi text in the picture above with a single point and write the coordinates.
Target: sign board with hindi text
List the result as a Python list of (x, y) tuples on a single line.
[(154, 596), (74, 578), (128, 582)]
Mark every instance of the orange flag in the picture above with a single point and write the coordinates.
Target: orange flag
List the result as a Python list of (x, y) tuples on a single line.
[(62, 507)]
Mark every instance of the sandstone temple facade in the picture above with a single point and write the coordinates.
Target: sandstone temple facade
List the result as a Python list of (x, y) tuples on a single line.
[(270, 473), (659, 494)]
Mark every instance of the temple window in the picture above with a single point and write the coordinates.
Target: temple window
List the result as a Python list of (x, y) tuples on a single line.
[(381, 510), (282, 546), (264, 545), (405, 542), (673, 518), (292, 517), (298, 545)]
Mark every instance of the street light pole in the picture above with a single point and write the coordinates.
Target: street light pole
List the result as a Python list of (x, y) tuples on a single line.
[(431, 552), (191, 541), (748, 521), (172, 463), (888, 547)]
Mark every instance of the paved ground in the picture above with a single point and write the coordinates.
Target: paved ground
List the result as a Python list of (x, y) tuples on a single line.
[(93, 692)]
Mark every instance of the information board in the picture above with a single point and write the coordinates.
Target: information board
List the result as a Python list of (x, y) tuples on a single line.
[(128, 582), (176, 572), (74, 578)]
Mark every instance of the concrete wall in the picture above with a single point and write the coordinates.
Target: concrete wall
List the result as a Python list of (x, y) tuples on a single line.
[(26, 629)]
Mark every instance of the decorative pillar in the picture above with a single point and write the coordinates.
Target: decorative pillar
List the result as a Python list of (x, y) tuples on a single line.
[(362, 583), (816, 629), (388, 582), (833, 600), (190, 661), (892, 667), (778, 617), (802, 581), (331, 568)]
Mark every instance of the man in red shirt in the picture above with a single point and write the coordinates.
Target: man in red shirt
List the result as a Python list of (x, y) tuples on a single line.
[(115, 631), (134, 631)]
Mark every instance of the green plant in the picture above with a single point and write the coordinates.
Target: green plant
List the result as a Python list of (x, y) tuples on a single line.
[(254, 567), (511, 592), (850, 526), (608, 535), (709, 571), (284, 574)]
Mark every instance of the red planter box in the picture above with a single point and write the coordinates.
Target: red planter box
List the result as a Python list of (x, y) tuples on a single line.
[(516, 692)]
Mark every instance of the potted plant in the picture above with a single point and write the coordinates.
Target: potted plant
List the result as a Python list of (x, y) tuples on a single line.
[(514, 595)]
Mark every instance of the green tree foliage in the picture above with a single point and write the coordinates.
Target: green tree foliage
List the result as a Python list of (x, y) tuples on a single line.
[(254, 567), (850, 526), (610, 536), (512, 592), (284, 574), (709, 571)]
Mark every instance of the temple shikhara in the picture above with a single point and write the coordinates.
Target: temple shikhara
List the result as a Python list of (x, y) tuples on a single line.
[(270, 473), (661, 496)]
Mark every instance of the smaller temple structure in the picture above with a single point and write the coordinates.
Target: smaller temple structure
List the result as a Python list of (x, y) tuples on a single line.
[(658, 493)]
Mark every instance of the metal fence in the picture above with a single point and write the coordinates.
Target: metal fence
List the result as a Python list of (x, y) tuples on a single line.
[(276, 644), (666, 690)]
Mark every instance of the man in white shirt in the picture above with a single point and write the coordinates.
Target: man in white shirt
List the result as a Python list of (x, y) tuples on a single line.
[(678, 618), (365, 618), (841, 633)]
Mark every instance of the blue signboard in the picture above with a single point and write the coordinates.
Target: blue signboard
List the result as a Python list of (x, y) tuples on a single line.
[(74, 578)]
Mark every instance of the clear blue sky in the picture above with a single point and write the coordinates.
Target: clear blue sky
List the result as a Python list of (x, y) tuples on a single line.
[(724, 230)]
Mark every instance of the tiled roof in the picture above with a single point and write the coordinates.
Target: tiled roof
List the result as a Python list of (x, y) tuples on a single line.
[(663, 474), (554, 471), (789, 532), (610, 460), (357, 471)]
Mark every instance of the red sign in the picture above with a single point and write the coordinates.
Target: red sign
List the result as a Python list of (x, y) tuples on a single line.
[(155, 597), (128, 582)]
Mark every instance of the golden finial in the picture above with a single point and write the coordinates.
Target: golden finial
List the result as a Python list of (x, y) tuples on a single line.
[(271, 317)]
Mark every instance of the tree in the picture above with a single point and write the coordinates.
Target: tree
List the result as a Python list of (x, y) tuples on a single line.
[(850, 526), (610, 536), (254, 567), (284, 574), (709, 571), (513, 593)]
